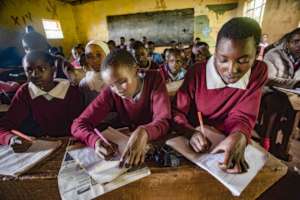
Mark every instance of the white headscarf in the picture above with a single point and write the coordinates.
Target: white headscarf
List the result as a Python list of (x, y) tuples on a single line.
[(101, 44)]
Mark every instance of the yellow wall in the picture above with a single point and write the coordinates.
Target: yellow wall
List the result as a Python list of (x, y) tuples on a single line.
[(280, 17), (39, 9), (91, 17)]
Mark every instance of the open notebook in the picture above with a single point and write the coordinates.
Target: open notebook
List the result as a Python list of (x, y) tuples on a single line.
[(293, 91), (236, 183), (14, 164), (105, 172)]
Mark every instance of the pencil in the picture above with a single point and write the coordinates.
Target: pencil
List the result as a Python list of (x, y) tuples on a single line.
[(201, 122), (101, 136), (22, 135)]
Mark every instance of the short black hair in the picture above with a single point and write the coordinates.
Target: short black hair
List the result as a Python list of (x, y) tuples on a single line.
[(111, 42), (122, 38), (175, 52), (151, 43), (35, 55), (35, 41), (199, 44), (132, 39), (292, 33), (240, 28), (117, 58), (137, 45)]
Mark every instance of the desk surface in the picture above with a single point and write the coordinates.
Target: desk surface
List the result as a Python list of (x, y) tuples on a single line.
[(185, 182)]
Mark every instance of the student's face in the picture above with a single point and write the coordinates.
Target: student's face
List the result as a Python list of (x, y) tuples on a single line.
[(141, 56), (233, 58), (40, 73), (174, 62), (122, 80), (111, 46), (188, 53), (201, 54), (76, 53), (265, 38), (122, 40), (294, 45), (94, 56), (151, 48)]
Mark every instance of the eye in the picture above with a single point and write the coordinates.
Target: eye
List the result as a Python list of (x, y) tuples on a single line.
[(223, 60), (243, 60)]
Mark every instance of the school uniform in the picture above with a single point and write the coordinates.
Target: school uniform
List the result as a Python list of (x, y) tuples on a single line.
[(168, 76), (149, 108), (39, 113), (229, 108)]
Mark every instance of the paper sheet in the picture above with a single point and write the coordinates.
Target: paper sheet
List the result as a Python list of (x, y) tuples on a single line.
[(14, 164), (74, 182), (236, 183), (294, 91), (100, 170)]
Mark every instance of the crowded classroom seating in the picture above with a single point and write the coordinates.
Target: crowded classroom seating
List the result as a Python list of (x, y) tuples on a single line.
[(134, 90)]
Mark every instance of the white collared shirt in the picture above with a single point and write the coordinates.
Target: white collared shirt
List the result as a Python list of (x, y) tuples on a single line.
[(214, 80), (59, 91)]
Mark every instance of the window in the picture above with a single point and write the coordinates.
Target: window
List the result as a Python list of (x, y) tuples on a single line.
[(52, 29), (255, 9)]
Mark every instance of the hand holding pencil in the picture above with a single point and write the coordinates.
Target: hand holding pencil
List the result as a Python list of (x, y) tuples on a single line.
[(198, 141), (22, 142)]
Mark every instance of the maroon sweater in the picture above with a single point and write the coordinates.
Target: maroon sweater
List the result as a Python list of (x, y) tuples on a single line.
[(227, 109), (151, 111), (54, 117)]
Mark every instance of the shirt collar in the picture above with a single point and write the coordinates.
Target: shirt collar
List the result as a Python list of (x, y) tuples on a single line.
[(214, 81), (59, 91)]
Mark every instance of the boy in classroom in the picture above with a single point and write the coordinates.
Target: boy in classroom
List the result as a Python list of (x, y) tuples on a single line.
[(226, 91), (141, 102), (77, 51), (43, 106), (122, 43), (155, 57), (111, 45), (173, 69), (142, 57), (91, 84)]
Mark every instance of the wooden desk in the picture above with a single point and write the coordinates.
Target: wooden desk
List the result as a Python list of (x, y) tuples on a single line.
[(184, 182)]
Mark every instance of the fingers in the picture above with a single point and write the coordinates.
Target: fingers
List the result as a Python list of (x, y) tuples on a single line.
[(199, 143), (124, 157), (228, 157)]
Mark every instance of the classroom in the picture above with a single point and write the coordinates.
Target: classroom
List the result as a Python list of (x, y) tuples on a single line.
[(150, 99)]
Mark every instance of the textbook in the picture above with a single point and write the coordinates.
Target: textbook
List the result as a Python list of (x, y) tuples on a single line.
[(236, 183), (14, 164), (107, 172), (293, 91)]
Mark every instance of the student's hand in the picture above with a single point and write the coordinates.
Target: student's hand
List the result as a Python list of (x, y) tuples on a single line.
[(104, 150), (234, 148), (136, 149), (21, 145), (200, 143)]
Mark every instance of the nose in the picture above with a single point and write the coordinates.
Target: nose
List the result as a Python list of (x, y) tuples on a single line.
[(233, 68)]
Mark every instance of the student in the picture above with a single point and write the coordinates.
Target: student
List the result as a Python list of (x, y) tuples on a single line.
[(122, 43), (91, 84), (200, 52), (42, 107), (130, 46), (111, 45), (155, 57), (141, 102), (76, 51), (173, 44), (145, 40), (226, 91), (173, 69), (197, 39), (283, 63), (188, 56), (35, 41), (262, 46), (142, 57)]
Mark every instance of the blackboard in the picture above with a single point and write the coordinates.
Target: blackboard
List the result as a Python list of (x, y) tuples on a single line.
[(160, 27)]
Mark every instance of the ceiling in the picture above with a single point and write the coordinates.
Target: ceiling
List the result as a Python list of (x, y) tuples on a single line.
[(75, 2)]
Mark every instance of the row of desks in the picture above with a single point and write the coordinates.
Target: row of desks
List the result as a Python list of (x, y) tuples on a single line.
[(184, 182)]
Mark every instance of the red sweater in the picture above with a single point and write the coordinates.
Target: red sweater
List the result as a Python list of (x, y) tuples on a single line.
[(228, 109), (152, 110), (54, 118)]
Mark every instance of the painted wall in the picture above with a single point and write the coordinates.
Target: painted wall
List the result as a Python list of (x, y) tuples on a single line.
[(16, 14), (91, 17), (280, 17)]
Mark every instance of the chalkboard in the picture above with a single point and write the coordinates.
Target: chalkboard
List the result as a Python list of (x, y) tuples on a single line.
[(160, 27)]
